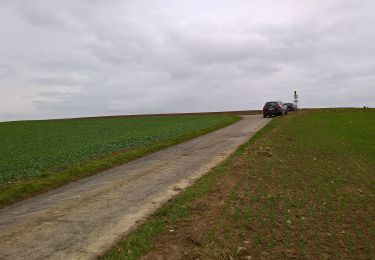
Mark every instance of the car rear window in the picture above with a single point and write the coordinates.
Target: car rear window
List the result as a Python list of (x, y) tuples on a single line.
[(271, 104)]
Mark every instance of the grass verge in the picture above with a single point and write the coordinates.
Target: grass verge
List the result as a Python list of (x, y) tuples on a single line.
[(38, 184)]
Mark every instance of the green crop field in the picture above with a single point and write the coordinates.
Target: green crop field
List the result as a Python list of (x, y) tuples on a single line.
[(30, 149), (302, 188)]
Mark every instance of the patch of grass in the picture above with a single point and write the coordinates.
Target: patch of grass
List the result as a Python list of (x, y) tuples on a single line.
[(40, 155), (139, 242)]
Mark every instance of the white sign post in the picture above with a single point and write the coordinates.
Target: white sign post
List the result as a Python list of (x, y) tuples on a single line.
[(295, 98)]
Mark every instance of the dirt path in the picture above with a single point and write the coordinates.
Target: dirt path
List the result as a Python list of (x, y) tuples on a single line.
[(85, 218)]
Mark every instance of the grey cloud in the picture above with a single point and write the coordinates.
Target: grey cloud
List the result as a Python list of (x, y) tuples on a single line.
[(6, 70), (62, 81), (37, 12), (116, 57)]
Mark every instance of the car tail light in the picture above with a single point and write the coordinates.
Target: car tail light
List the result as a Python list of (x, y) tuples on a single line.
[(279, 106)]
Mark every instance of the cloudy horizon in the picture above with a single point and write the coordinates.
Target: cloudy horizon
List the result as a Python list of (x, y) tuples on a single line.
[(100, 57)]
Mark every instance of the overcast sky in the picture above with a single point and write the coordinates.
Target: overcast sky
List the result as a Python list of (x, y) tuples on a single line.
[(69, 58)]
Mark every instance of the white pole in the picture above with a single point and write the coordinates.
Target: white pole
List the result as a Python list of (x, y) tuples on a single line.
[(295, 98)]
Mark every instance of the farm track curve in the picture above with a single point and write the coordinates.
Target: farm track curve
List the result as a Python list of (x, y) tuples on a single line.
[(83, 219)]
